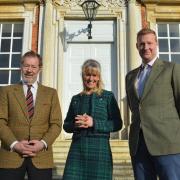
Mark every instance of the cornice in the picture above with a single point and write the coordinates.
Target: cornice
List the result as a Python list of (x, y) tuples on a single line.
[(163, 10), (19, 1), (109, 9), (103, 3), (161, 2)]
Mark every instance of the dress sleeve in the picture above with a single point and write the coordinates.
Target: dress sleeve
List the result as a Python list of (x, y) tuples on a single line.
[(69, 120)]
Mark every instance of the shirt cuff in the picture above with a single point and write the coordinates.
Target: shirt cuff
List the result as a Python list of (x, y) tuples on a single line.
[(45, 144), (13, 144)]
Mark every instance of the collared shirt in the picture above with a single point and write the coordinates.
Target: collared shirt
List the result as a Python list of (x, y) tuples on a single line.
[(142, 65), (34, 88), (150, 63)]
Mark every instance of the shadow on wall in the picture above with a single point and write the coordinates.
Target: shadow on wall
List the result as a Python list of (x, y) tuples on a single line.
[(66, 37)]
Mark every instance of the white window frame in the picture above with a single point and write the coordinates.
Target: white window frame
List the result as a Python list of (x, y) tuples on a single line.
[(10, 53), (169, 52), (24, 12)]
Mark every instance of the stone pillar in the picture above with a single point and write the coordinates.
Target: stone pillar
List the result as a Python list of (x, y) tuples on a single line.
[(134, 25), (48, 46), (133, 58)]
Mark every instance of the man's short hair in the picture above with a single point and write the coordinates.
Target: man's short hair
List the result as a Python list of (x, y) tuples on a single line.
[(145, 31), (32, 54)]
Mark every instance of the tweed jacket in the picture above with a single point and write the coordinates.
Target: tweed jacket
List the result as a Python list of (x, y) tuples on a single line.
[(15, 124), (158, 110), (105, 113)]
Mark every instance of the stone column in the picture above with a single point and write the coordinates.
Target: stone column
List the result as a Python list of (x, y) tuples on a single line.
[(48, 46), (133, 58), (134, 25)]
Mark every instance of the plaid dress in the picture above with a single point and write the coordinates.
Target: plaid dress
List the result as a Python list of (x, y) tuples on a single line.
[(90, 157)]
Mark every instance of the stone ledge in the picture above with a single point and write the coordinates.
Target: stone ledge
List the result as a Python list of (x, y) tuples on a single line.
[(161, 2), (18, 1)]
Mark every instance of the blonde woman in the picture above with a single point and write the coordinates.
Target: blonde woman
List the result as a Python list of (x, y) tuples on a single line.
[(92, 115)]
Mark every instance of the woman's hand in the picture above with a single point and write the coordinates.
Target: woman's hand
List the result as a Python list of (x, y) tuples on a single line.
[(83, 121)]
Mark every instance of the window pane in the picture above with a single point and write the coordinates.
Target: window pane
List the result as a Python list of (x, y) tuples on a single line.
[(175, 58), (4, 77), (175, 45), (15, 62), (163, 45), (5, 45), (17, 45), (15, 76), (162, 30), (6, 30), (11, 42), (18, 30), (164, 57), (174, 30), (4, 60)]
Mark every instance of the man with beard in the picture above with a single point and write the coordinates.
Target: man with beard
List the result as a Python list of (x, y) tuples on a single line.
[(30, 121)]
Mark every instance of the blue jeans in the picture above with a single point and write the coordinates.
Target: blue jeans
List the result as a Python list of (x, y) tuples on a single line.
[(148, 167)]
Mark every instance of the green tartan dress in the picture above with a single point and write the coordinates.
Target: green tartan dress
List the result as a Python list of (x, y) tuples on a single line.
[(90, 157)]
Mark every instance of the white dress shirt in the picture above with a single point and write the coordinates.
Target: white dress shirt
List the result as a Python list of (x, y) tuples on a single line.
[(142, 65)]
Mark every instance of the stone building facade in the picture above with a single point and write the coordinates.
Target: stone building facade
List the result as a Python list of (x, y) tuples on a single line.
[(57, 29)]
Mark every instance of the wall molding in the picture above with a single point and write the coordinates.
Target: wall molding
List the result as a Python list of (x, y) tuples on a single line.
[(161, 2), (161, 10), (19, 1), (104, 3)]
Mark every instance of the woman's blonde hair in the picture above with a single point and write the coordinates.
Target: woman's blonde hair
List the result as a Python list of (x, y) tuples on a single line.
[(92, 66)]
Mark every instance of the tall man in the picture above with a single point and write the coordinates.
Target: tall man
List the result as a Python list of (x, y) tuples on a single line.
[(153, 93), (30, 121)]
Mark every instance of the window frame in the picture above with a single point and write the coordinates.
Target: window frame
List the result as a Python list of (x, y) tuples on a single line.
[(169, 38), (10, 53)]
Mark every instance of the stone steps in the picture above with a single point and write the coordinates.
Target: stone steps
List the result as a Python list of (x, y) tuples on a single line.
[(122, 169)]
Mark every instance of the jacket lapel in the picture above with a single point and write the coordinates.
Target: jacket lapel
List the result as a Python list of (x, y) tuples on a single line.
[(19, 94), (156, 70), (39, 99), (133, 83)]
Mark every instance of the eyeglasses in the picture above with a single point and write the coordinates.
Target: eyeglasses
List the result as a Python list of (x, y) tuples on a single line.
[(27, 66)]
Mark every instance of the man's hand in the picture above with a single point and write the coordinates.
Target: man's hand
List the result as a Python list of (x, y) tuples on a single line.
[(22, 148), (35, 146)]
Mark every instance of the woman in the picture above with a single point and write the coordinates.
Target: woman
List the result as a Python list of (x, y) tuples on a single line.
[(92, 115)]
